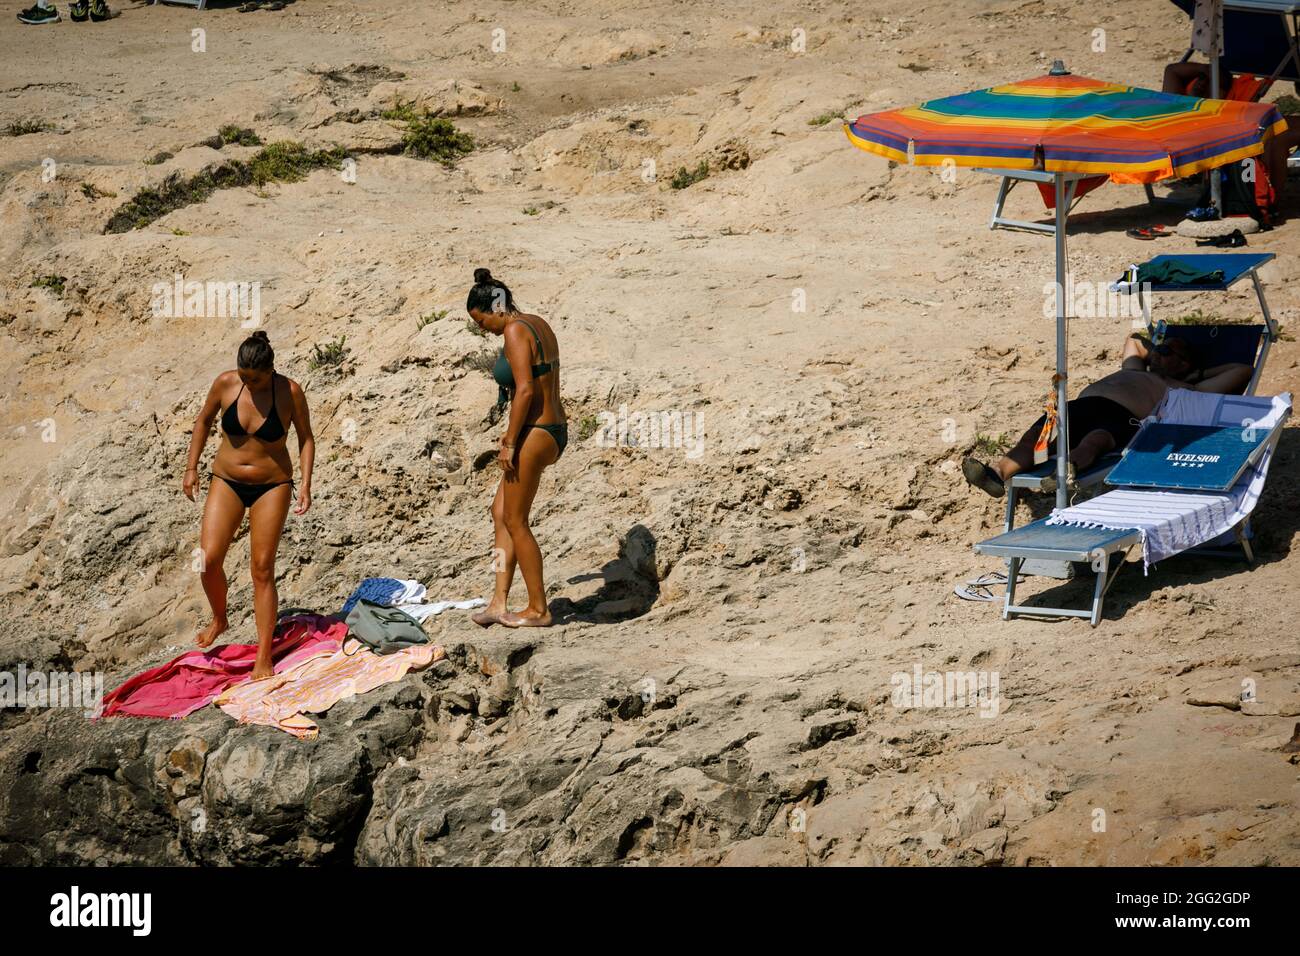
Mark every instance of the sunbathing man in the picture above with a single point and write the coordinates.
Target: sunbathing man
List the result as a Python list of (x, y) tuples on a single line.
[(1193, 79), (1106, 414)]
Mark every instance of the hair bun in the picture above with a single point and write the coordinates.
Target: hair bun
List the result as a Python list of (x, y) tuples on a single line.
[(261, 336), (482, 277)]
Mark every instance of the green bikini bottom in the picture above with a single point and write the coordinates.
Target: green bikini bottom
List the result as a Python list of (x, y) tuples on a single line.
[(559, 432)]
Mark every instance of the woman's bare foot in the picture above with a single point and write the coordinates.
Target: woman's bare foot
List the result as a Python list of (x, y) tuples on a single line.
[(262, 670), (488, 616), (211, 632), (526, 618)]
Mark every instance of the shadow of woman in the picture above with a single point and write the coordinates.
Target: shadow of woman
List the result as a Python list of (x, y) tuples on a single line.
[(630, 585)]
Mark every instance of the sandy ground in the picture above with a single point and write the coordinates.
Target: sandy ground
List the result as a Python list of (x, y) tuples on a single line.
[(811, 548)]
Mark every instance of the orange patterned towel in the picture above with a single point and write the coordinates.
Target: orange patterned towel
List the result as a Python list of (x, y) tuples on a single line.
[(1043, 447), (317, 685)]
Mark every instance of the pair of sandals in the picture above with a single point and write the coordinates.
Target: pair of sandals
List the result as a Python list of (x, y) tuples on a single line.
[(253, 5), (1149, 232)]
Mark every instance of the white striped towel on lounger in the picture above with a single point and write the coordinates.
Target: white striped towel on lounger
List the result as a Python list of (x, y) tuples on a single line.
[(1173, 521)]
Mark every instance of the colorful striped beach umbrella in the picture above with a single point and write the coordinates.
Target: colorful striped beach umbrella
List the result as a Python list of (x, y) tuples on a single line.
[(1071, 124), (1069, 128)]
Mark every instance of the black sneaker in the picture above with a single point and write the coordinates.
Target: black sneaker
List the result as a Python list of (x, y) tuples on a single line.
[(80, 11), (99, 11), (39, 14)]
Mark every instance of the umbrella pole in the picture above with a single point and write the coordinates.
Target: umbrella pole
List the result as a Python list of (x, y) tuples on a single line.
[(1063, 426), (1216, 184)]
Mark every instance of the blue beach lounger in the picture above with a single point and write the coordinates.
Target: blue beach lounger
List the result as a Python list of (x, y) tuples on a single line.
[(1189, 480), (1247, 344)]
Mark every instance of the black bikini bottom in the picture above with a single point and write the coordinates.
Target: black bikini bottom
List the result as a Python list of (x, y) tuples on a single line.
[(250, 493), (559, 432)]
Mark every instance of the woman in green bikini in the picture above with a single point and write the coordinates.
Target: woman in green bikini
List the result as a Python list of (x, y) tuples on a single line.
[(528, 374)]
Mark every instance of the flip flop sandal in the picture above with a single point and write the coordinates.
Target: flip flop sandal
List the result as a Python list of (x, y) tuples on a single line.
[(249, 7), (1147, 232), (981, 476), (981, 588), (975, 592), (994, 578)]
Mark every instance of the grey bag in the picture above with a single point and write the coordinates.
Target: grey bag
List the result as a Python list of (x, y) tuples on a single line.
[(385, 630)]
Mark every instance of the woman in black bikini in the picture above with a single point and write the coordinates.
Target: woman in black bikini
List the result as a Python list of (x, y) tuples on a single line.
[(527, 373), (253, 472)]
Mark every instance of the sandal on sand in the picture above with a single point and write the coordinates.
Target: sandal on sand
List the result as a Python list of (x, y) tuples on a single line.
[(981, 476), (1148, 232), (250, 7), (981, 588)]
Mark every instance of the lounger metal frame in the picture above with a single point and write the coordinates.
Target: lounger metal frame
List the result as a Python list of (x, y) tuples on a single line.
[(1288, 13), (1070, 545), (1032, 480), (1270, 327), (1098, 550), (1010, 177)]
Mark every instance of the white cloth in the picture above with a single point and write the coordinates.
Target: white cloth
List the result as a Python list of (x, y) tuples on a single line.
[(422, 612), (1173, 521), (413, 592)]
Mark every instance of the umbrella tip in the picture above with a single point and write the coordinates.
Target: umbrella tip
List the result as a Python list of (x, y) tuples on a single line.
[(1058, 69)]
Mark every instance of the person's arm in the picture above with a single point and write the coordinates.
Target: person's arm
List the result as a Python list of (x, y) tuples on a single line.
[(306, 445), (520, 358), (199, 437), (1227, 379), (1135, 354)]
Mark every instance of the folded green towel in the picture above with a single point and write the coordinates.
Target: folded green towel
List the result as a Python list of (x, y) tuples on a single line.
[(1176, 272)]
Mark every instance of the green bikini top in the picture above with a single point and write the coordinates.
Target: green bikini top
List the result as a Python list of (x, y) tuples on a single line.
[(505, 377)]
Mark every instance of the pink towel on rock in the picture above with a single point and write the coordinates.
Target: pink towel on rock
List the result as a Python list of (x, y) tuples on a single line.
[(193, 680)]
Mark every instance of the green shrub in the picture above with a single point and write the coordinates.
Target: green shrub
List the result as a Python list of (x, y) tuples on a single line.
[(329, 355), (52, 282), (25, 127), (238, 135), (990, 447), (431, 317), (436, 139), (284, 162), (685, 177)]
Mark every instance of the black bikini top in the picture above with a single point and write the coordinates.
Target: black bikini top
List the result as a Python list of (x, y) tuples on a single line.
[(271, 430)]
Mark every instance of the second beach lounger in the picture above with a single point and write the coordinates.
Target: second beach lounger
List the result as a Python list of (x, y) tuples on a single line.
[(1188, 480)]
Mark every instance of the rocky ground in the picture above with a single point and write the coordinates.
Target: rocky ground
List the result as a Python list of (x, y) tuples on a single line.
[(718, 689)]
